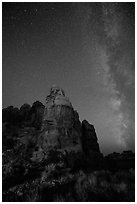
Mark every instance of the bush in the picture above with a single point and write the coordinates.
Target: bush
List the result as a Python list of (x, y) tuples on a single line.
[(104, 186)]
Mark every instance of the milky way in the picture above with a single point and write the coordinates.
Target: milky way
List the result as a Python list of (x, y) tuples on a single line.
[(87, 49)]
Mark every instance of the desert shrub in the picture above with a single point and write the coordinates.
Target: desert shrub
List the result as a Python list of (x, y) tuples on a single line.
[(28, 191), (96, 186), (49, 172), (91, 188), (123, 176), (105, 186), (57, 188), (62, 198), (81, 186)]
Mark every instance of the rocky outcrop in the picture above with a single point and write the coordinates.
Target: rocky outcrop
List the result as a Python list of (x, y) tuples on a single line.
[(89, 138), (61, 128), (62, 131), (90, 146)]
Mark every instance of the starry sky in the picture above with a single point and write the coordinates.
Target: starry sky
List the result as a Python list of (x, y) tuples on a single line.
[(87, 49)]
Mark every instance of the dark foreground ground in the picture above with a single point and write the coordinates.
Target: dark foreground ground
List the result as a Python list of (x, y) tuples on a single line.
[(96, 186), (49, 180)]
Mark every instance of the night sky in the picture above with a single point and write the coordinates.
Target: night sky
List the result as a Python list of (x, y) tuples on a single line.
[(85, 48)]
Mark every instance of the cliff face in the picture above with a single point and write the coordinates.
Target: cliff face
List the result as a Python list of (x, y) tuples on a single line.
[(63, 132), (61, 128), (89, 138)]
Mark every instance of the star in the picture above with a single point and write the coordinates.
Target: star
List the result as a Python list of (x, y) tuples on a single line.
[(13, 18), (22, 42)]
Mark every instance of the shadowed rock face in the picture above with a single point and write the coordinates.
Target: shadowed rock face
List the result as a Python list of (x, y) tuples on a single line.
[(61, 128), (89, 138)]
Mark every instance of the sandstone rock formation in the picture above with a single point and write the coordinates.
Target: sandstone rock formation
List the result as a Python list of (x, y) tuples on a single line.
[(61, 128), (62, 131)]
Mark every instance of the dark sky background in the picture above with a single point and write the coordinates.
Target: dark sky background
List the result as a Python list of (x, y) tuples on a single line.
[(87, 49)]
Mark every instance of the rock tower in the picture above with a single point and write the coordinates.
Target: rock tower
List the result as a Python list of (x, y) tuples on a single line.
[(61, 128), (62, 131)]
